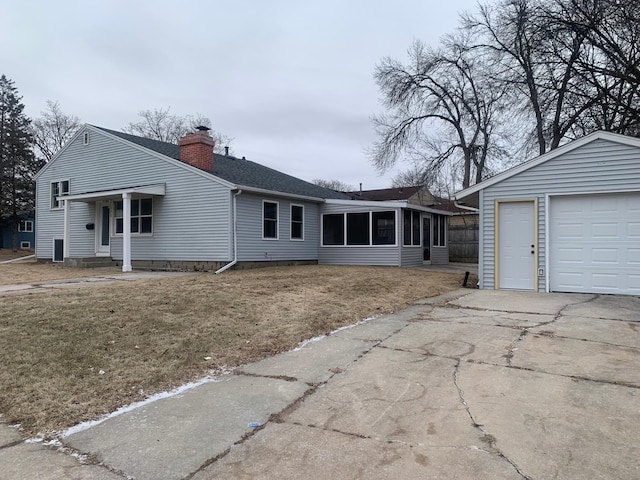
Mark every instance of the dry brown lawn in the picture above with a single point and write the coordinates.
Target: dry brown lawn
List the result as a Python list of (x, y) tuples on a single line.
[(73, 355), (30, 271)]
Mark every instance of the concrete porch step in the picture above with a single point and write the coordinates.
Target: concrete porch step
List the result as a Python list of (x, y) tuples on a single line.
[(91, 262)]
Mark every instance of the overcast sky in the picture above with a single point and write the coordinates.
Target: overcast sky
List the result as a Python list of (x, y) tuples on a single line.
[(290, 81)]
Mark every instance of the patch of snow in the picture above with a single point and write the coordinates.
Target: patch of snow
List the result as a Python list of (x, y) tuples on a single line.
[(346, 327), (304, 343), (212, 377)]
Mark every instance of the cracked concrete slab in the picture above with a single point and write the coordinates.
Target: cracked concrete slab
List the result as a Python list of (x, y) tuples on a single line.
[(553, 426), (394, 396), (295, 451), (374, 330), (614, 332), (614, 307), (314, 363), (593, 360), (200, 424), (488, 317), (487, 343), (35, 461), (523, 302)]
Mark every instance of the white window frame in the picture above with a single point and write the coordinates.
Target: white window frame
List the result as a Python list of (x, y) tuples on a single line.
[(25, 244), (26, 228), (291, 221), (277, 219), (442, 224), (345, 227), (139, 217), (85, 138), (55, 204), (411, 227)]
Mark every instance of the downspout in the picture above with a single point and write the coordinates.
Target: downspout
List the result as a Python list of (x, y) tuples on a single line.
[(235, 236)]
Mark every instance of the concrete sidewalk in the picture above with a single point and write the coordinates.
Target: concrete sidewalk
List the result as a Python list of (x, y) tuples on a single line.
[(474, 384)]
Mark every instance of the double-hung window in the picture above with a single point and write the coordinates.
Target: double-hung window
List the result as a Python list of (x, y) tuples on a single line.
[(25, 226), (141, 215), (269, 220), (411, 228), (297, 222), (58, 189)]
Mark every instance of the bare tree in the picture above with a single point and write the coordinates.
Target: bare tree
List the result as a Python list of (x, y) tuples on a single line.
[(336, 185), (443, 108), (572, 63), (52, 130), (161, 124)]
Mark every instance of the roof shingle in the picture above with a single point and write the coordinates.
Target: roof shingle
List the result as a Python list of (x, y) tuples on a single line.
[(240, 172)]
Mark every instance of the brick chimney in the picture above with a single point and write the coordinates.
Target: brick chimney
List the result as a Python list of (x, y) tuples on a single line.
[(197, 149)]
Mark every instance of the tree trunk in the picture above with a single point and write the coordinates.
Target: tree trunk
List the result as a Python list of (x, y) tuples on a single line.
[(14, 234)]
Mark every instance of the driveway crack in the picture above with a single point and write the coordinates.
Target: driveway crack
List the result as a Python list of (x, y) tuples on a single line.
[(514, 345), (486, 436)]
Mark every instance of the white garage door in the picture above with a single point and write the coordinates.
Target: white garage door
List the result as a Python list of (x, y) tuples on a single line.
[(594, 243)]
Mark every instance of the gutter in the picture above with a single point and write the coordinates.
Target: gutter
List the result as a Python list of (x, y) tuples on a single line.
[(464, 207), (235, 236)]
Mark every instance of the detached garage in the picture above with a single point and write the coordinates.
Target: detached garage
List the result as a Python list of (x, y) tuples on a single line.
[(567, 221)]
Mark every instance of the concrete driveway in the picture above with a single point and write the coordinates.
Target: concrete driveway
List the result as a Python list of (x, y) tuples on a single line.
[(472, 385)]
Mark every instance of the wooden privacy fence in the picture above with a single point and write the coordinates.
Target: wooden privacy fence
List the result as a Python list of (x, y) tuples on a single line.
[(463, 243)]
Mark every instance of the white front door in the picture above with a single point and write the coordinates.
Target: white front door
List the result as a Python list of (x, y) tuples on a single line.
[(516, 245), (103, 233)]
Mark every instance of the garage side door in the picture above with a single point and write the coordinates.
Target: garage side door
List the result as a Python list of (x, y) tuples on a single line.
[(594, 243)]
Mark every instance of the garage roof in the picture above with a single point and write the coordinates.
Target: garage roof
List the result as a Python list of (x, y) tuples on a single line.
[(470, 196)]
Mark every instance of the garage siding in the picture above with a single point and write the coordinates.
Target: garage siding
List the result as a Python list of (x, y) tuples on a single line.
[(599, 166)]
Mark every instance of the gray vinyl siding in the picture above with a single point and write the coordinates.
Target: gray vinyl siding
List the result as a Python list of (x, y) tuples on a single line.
[(191, 222), (411, 256), (597, 167), (365, 255), (253, 248), (439, 255)]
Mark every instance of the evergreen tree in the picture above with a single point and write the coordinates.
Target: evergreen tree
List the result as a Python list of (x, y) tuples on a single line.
[(18, 164)]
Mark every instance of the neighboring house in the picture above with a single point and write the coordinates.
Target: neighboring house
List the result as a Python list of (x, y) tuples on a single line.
[(566, 221), (152, 204), (461, 232), (26, 231)]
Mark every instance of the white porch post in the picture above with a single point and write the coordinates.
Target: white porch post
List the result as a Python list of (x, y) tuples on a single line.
[(126, 232), (65, 234)]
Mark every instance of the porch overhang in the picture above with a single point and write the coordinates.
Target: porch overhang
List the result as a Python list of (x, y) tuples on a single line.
[(153, 190), (126, 194)]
